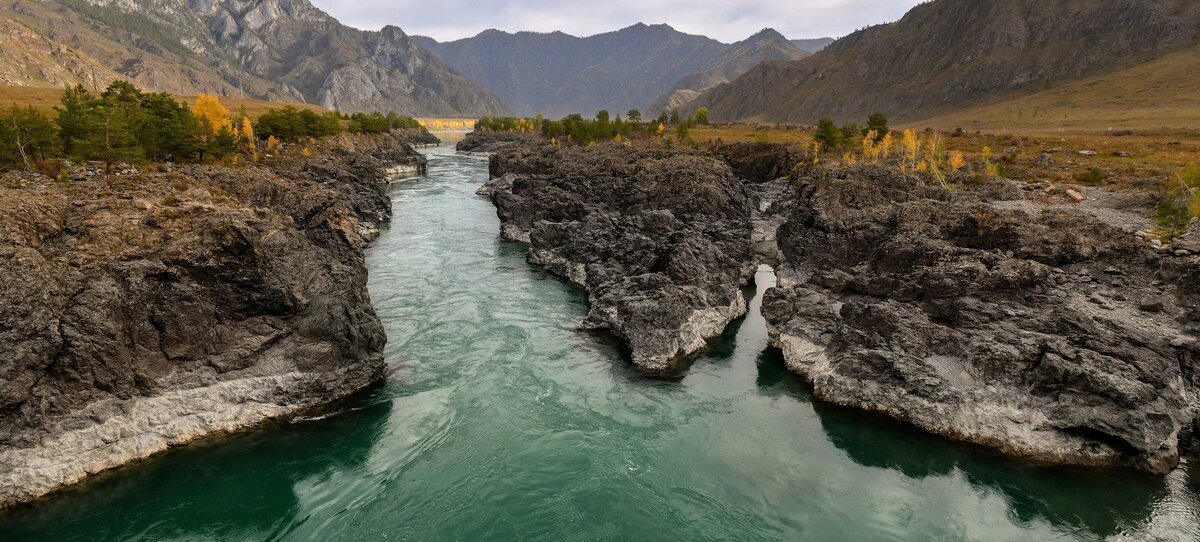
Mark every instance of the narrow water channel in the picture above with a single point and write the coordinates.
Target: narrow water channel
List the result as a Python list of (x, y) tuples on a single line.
[(500, 421)]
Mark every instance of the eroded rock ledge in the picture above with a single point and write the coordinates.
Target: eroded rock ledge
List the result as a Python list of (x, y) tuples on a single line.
[(1047, 331), (142, 314), (657, 237)]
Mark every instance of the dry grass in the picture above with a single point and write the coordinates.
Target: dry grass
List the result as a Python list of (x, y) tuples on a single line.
[(1141, 161), (750, 133), (434, 124), (45, 98), (1154, 96)]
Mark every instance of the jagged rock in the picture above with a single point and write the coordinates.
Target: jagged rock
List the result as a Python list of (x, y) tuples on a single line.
[(657, 237), (1044, 160), (492, 142), (899, 298), (140, 317)]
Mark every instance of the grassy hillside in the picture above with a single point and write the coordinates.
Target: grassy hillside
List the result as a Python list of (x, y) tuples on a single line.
[(45, 98), (1159, 94)]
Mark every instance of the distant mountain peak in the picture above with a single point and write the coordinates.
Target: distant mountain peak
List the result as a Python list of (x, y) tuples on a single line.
[(767, 33)]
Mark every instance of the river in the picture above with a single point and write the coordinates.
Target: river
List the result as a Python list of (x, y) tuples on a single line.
[(501, 421)]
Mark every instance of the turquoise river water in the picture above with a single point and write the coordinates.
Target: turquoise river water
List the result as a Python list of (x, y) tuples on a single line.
[(501, 421)]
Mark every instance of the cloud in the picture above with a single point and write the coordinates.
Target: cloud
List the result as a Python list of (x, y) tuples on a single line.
[(725, 20)]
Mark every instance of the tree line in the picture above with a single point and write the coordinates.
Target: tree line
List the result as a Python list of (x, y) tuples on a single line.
[(125, 124), (576, 128)]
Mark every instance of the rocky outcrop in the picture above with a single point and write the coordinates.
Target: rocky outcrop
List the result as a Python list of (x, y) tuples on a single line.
[(141, 314), (657, 237), (1046, 333), (492, 142)]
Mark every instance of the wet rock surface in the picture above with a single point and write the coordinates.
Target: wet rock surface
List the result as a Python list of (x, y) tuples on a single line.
[(145, 313), (1045, 333), (659, 238)]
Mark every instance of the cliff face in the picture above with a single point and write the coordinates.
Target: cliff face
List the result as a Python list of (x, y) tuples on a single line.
[(143, 314), (285, 50), (948, 54)]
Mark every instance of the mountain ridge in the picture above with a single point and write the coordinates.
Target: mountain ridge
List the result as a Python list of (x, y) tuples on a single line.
[(767, 44), (950, 54), (281, 50), (631, 68)]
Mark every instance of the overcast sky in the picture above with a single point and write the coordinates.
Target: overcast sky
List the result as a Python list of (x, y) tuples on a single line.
[(725, 20)]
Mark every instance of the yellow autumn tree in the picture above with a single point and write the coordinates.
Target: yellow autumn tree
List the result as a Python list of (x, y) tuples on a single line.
[(661, 128), (957, 162), (886, 145), (272, 143), (248, 132), (870, 146), (212, 115), (989, 169), (909, 144)]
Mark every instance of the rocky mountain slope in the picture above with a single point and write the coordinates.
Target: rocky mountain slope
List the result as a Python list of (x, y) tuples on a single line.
[(144, 314), (558, 74), (811, 46), (271, 49), (736, 60), (949, 54), (1044, 329)]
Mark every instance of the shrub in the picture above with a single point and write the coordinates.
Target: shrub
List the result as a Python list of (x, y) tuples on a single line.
[(1172, 218), (827, 134), (878, 123)]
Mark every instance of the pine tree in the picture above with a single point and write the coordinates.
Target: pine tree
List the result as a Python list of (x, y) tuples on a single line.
[(878, 122), (109, 137), (827, 134), (73, 111)]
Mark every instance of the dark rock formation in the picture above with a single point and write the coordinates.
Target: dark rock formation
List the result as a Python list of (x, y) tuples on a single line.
[(146, 313), (493, 142), (1050, 332), (1024, 329), (658, 238)]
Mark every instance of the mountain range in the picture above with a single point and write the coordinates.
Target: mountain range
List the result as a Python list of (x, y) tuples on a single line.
[(638, 67), (948, 55), (283, 50)]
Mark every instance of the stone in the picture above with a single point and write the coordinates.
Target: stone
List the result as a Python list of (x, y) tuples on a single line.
[(149, 326), (1150, 304), (1088, 153)]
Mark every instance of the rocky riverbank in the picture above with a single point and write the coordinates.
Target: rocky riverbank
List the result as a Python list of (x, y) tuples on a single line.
[(656, 237), (146, 312), (1047, 331), (493, 142)]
